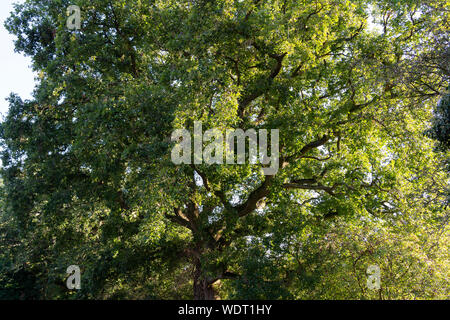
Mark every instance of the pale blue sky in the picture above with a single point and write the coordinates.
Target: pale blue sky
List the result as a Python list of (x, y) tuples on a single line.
[(16, 74)]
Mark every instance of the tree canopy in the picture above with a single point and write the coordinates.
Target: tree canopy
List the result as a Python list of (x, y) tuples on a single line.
[(351, 85)]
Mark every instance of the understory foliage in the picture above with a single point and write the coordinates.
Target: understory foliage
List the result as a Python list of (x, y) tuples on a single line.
[(358, 90)]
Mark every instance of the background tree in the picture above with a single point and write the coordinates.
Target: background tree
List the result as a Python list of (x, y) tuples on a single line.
[(440, 130)]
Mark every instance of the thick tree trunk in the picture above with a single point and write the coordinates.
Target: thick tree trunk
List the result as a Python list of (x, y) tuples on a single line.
[(203, 290)]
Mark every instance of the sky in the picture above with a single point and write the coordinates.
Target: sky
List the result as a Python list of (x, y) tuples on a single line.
[(16, 74)]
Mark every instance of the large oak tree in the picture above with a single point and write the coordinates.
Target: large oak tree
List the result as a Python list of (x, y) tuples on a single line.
[(86, 163)]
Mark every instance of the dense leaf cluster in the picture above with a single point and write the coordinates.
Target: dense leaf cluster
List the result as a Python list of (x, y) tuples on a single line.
[(351, 85)]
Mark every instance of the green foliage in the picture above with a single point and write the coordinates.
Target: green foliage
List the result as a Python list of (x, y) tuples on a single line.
[(441, 123), (351, 85)]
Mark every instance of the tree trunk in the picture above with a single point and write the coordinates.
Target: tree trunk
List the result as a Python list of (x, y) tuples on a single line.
[(203, 289)]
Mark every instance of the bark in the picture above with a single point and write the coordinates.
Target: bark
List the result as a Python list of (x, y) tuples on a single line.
[(203, 289)]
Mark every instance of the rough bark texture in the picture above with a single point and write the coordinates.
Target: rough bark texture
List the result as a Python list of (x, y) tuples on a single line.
[(203, 289)]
